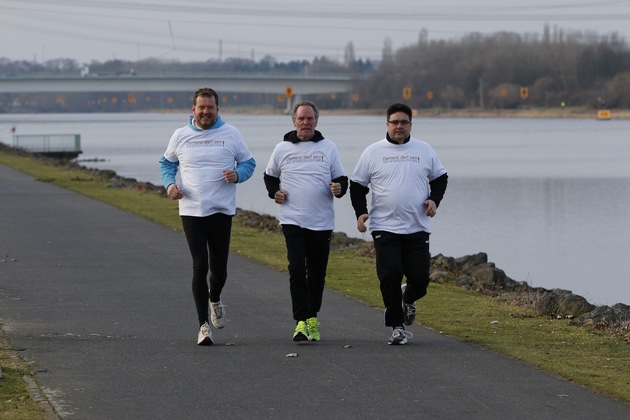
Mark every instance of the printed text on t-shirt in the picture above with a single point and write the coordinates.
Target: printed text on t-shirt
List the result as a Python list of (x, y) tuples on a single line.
[(305, 158), (405, 158), (205, 143)]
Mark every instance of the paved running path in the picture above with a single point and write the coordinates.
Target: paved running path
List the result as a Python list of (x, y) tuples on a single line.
[(99, 302)]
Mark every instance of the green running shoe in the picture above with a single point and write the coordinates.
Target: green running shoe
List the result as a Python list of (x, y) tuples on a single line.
[(313, 329), (301, 332)]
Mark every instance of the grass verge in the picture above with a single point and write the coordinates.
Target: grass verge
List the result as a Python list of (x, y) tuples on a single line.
[(15, 400), (596, 359)]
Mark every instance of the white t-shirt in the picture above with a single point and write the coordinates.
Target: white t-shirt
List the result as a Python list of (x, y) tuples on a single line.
[(399, 176), (306, 169), (202, 156)]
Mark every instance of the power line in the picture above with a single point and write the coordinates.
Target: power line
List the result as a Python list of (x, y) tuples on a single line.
[(144, 24)]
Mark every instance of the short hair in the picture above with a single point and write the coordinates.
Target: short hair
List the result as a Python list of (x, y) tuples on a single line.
[(398, 107), (206, 92), (305, 103)]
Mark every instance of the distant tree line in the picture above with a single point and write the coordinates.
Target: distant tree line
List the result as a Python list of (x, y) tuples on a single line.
[(501, 70), (494, 71)]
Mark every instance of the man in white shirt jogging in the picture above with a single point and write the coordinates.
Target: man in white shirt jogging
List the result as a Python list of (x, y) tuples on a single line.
[(212, 158), (303, 174), (408, 182)]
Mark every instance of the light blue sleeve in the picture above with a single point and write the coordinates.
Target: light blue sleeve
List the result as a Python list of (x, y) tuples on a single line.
[(244, 170), (168, 170)]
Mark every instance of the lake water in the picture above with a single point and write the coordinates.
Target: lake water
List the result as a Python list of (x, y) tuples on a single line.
[(547, 200)]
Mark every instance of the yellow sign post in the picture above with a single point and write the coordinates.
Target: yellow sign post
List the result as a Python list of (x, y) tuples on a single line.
[(524, 93)]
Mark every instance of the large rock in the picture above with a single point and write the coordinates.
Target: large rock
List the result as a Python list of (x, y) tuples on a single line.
[(474, 272), (562, 303), (614, 319)]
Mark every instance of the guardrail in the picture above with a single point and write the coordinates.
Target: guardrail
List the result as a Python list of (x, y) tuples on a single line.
[(54, 145)]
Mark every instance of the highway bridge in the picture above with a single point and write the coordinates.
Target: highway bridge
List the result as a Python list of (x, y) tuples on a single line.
[(135, 83)]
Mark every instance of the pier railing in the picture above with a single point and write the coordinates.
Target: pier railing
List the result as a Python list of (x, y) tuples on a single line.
[(54, 145)]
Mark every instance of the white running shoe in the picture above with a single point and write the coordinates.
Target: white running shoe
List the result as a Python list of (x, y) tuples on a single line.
[(204, 338), (399, 336), (409, 309), (217, 314)]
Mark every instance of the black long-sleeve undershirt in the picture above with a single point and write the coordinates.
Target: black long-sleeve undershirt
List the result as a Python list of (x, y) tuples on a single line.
[(358, 194), (272, 184)]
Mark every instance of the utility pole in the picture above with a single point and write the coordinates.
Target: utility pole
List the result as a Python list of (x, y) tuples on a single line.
[(481, 93)]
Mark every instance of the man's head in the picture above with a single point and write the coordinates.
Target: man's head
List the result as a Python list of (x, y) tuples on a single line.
[(205, 107), (398, 122), (305, 116)]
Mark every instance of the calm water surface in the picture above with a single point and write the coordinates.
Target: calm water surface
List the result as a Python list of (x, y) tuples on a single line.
[(547, 200)]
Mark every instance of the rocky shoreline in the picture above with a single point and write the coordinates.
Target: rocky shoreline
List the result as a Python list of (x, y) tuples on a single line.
[(473, 272)]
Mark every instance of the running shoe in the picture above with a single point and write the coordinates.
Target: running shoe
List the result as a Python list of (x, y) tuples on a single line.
[(217, 314), (409, 309), (301, 332), (204, 338), (399, 336), (313, 329)]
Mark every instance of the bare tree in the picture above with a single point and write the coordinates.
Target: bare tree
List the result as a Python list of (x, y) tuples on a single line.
[(348, 56)]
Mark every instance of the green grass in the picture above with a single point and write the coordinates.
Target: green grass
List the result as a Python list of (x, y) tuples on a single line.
[(592, 358), (15, 400)]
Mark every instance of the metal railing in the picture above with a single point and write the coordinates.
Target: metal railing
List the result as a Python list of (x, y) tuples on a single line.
[(48, 143)]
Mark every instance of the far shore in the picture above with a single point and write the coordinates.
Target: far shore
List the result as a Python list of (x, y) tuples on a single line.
[(551, 113), (530, 112), (583, 113)]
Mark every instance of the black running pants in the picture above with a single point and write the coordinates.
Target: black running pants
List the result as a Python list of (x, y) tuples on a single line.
[(209, 243), (307, 252), (399, 255)]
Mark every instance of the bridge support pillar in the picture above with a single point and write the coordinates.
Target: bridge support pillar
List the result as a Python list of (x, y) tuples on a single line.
[(291, 100), (289, 104)]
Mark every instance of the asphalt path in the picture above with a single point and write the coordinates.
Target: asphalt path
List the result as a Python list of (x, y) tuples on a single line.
[(99, 302)]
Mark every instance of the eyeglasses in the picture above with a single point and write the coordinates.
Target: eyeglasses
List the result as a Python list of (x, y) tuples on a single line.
[(404, 123)]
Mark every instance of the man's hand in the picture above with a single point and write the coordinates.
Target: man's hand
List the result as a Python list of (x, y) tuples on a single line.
[(335, 188), (431, 208), (230, 176), (280, 196), (361, 223), (174, 192)]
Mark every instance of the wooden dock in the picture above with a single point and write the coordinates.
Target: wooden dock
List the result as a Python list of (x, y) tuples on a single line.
[(62, 146)]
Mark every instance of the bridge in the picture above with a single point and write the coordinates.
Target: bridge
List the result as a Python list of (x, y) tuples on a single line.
[(134, 83)]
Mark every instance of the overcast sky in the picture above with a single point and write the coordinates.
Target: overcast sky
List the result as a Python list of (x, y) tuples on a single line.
[(187, 30)]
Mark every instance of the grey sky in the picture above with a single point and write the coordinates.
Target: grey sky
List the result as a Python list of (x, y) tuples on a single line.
[(187, 30)]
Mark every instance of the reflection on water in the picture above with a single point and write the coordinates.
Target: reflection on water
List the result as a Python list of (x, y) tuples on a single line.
[(547, 200)]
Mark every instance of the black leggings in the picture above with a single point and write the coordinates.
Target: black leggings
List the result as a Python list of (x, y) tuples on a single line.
[(209, 242)]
